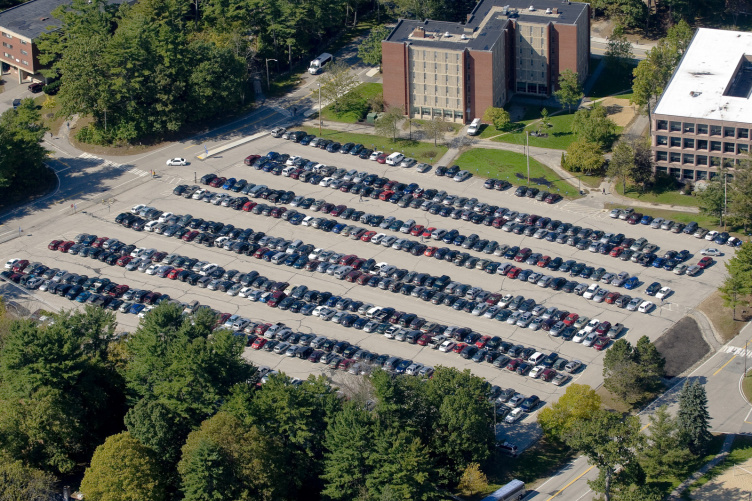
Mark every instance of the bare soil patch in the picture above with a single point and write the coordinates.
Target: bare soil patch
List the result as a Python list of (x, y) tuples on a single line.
[(682, 345), (618, 111)]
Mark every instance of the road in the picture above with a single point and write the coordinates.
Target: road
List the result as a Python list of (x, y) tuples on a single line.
[(599, 46)]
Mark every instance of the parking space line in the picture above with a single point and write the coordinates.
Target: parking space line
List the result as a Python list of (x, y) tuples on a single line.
[(724, 365)]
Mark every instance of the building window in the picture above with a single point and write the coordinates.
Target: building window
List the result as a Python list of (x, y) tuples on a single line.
[(674, 157), (702, 144), (661, 170), (6, 35), (729, 132), (675, 142), (688, 174), (689, 143), (520, 86), (688, 159), (23, 42), (728, 147), (702, 128), (24, 52), (25, 62), (715, 146), (661, 156), (715, 130), (742, 149), (702, 160), (675, 127), (7, 45), (689, 128), (728, 163), (675, 172), (7, 55), (542, 89), (661, 140), (702, 175), (661, 124), (742, 133)]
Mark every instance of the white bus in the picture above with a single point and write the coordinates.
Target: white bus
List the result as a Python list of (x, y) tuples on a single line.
[(513, 491), (318, 64)]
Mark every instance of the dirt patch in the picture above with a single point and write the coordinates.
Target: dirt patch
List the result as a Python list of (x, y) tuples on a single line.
[(682, 345), (618, 111), (722, 317), (734, 483)]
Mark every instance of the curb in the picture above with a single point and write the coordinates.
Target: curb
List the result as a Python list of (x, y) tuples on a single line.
[(234, 144)]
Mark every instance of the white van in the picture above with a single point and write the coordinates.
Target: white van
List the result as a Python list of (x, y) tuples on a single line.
[(395, 158), (474, 128), (318, 64), (288, 170)]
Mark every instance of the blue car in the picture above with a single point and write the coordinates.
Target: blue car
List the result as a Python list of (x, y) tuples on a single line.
[(81, 298), (658, 263), (338, 228), (631, 283), (229, 183), (646, 220), (722, 238), (136, 308), (272, 155)]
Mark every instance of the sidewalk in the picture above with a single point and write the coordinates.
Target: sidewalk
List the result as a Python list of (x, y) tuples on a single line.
[(676, 495)]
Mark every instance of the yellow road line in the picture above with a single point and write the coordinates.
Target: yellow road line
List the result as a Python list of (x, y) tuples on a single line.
[(724, 365), (570, 483), (643, 428)]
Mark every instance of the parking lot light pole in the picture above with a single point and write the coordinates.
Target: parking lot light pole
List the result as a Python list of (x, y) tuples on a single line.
[(268, 82), (319, 109)]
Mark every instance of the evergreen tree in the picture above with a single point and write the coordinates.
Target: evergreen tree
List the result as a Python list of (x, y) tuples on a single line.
[(694, 418), (207, 474), (21, 152), (403, 465), (665, 453), (349, 440)]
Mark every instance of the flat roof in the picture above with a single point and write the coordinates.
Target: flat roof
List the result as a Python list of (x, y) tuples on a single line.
[(33, 18), (713, 78), (486, 23)]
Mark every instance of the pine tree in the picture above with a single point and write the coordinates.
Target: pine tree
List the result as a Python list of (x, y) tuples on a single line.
[(664, 453), (402, 467), (693, 417)]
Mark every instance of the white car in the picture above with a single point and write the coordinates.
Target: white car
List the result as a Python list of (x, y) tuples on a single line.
[(11, 262), (615, 213), (580, 336), (147, 309), (590, 327), (711, 235), (663, 293), (645, 307), (165, 216), (177, 161), (375, 155), (152, 270), (514, 416), (150, 225), (536, 372), (591, 291), (589, 339), (447, 346), (711, 252)]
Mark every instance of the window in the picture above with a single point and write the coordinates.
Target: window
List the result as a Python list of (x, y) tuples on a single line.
[(25, 62), (23, 42), (688, 174), (715, 146), (674, 157), (7, 55), (542, 89), (661, 125), (729, 148), (702, 128), (742, 133), (702, 160), (661, 156), (661, 140), (688, 159), (715, 130), (7, 45), (24, 52), (6, 35), (702, 175), (729, 132), (742, 149), (702, 144), (689, 128), (689, 143), (675, 127), (675, 142), (532, 88)]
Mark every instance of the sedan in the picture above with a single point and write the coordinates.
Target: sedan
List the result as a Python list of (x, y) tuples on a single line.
[(176, 161), (711, 252)]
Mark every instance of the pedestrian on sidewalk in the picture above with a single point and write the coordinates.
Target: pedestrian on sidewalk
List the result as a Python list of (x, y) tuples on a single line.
[(360, 198), (604, 191)]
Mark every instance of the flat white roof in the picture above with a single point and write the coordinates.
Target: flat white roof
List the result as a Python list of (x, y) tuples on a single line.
[(697, 87)]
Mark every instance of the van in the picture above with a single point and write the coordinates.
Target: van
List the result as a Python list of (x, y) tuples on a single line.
[(474, 127), (342, 271), (318, 64), (514, 490), (288, 170), (536, 358), (395, 158)]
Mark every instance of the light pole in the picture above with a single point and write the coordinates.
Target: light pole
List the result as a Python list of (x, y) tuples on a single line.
[(268, 82), (527, 150), (319, 109)]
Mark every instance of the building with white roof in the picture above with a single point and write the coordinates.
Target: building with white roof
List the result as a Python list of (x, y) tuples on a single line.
[(704, 117)]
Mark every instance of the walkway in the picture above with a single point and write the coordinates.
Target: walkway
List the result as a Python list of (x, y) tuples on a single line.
[(676, 494)]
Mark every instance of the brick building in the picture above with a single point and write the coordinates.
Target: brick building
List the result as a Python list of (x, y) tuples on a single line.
[(506, 47), (704, 117)]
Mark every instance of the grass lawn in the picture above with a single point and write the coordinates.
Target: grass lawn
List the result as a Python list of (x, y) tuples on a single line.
[(741, 451), (626, 95), (48, 115), (722, 318), (591, 181), (422, 152), (559, 132), (417, 124), (612, 81), (660, 194), (512, 166), (357, 108), (747, 387)]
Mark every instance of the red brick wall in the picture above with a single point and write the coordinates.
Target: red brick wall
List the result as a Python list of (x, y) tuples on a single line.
[(480, 84), (15, 52), (563, 50), (394, 72)]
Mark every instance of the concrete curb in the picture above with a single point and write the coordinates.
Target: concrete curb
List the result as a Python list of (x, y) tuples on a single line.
[(231, 145)]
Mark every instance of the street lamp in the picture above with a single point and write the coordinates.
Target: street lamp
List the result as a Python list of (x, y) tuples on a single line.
[(319, 109), (268, 82)]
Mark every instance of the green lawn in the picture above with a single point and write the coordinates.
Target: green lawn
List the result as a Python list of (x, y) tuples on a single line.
[(357, 107), (559, 131), (512, 166), (662, 194), (454, 128), (741, 451), (422, 152)]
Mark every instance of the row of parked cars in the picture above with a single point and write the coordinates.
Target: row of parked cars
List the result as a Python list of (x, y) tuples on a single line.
[(692, 228)]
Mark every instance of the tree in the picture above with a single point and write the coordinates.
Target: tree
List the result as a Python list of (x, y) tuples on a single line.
[(713, 198), (545, 121), (619, 51), (435, 128), (123, 469), (664, 453), (21, 152), (402, 465), (570, 89), (740, 194), (633, 374), (369, 51), (737, 286), (387, 123), (642, 173), (337, 83), (693, 417), (580, 401), (473, 480), (610, 444), (583, 156), (629, 13), (594, 126), (499, 117), (349, 439), (622, 164), (21, 482)]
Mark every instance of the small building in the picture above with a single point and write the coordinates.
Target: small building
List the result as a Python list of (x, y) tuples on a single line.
[(703, 119), (506, 47)]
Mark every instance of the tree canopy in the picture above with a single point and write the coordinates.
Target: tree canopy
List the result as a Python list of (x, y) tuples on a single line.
[(21, 152), (570, 90), (633, 373)]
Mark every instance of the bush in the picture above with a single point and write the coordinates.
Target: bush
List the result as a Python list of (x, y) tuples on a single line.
[(51, 88)]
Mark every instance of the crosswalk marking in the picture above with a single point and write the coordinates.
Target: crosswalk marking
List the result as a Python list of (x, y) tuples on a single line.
[(110, 163), (737, 351)]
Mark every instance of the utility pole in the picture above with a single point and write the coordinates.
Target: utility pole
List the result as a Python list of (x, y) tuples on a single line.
[(268, 82)]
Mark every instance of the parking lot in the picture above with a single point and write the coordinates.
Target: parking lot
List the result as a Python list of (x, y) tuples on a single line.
[(158, 193)]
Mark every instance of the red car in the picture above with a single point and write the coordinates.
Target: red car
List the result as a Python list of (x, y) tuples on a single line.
[(353, 276), (425, 339), (601, 342), (603, 328), (191, 235), (480, 343), (261, 329), (705, 262), (250, 159), (417, 230), (258, 343), (99, 241), (367, 236), (260, 252), (158, 257), (382, 158), (543, 262), (396, 316), (428, 232), (338, 210), (217, 182), (119, 290), (548, 374), (65, 246), (347, 260), (513, 364), (386, 195), (459, 347), (248, 206), (278, 211), (124, 260), (276, 298), (611, 297), (615, 252), (513, 272), (172, 275), (430, 251), (20, 265), (54, 244), (571, 319), (364, 278), (522, 255)]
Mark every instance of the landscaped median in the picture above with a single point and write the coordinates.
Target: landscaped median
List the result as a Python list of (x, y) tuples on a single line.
[(512, 166), (420, 151)]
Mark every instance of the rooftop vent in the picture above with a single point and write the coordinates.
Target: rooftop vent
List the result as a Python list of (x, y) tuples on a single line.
[(464, 37), (531, 8), (419, 32), (505, 10), (549, 11), (447, 34), (694, 93)]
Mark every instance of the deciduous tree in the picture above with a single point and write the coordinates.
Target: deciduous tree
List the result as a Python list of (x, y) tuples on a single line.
[(499, 117), (21, 482), (583, 156), (21, 152), (619, 51), (570, 90), (713, 198), (622, 164), (593, 125), (580, 401), (369, 51), (337, 83), (435, 128), (473, 480), (387, 123), (737, 286)]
